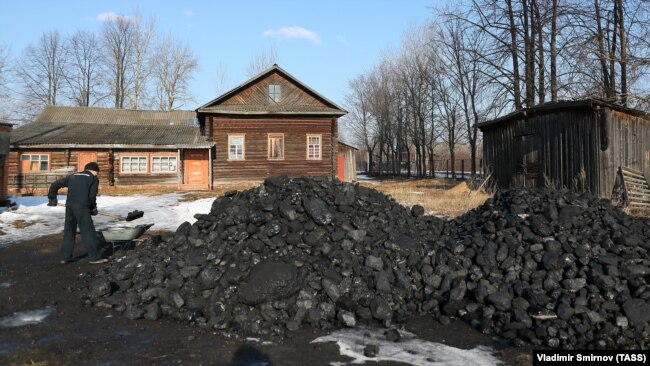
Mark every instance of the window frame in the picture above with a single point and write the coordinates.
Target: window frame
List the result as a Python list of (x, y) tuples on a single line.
[(164, 171), (320, 147), (146, 159), (30, 154), (243, 146), (270, 136), (276, 95)]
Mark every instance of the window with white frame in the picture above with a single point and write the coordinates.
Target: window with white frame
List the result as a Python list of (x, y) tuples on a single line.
[(274, 93), (134, 164), (34, 162), (276, 146), (314, 147), (163, 164), (235, 147)]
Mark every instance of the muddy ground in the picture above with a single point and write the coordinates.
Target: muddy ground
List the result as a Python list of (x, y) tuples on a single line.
[(79, 335)]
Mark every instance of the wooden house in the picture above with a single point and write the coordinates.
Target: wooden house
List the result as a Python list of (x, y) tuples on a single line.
[(133, 148), (5, 133), (272, 124), (585, 145)]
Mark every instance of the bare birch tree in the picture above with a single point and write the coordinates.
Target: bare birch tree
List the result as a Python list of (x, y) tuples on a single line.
[(118, 35), (262, 61)]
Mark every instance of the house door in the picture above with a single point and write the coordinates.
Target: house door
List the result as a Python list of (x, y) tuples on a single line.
[(528, 172), (340, 166), (85, 157), (195, 169)]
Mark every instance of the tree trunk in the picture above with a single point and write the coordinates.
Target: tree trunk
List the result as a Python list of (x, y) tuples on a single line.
[(553, 55), (623, 59), (514, 53)]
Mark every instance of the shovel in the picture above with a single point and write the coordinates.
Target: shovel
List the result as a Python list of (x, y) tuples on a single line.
[(133, 215)]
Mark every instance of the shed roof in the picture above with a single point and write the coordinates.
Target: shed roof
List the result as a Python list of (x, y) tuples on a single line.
[(115, 116), (591, 103), (66, 135), (215, 106)]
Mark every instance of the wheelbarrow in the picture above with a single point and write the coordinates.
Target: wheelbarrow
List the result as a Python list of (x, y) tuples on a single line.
[(122, 238)]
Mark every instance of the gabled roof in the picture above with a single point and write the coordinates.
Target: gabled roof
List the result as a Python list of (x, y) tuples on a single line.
[(590, 103), (115, 116), (215, 106), (69, 127)]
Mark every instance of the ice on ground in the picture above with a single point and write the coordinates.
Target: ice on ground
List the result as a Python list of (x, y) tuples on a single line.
[(409, 350), (28, 317), (166, 212)]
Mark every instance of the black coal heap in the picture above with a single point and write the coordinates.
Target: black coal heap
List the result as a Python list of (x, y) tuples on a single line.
[(546, 267)]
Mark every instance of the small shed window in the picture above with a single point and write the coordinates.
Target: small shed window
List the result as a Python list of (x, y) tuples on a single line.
[(163, 164), (134, 164), (276, 146), (274, 93), (34, 162), (314, 147), (235, 147)]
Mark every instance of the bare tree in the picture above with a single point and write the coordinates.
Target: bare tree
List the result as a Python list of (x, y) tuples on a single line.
[(41, 70), (118, 35), (221, 81), (262, 61), (140, 71), (82, 74), (360, 121), (172, 66)]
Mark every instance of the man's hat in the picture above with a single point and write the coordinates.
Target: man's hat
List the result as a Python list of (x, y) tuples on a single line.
[(92, 166)]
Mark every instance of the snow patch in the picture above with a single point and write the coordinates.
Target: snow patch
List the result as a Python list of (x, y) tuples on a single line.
[(166, 212), (409, 350), (5, 285), (25, 317)]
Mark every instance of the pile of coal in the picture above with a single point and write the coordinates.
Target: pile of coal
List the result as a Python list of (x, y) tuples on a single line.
[(548, 267), (291, 253)]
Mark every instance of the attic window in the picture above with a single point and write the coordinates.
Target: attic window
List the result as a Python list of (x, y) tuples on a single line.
[(274, 93)]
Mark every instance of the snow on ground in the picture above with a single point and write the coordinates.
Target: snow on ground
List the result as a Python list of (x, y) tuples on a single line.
[(409, 350), (25, 317), (32, 218)]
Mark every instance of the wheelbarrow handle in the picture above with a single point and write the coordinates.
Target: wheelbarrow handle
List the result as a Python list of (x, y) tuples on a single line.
[(101, 213)]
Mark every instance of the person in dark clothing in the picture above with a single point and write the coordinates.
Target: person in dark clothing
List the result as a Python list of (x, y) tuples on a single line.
[(80, 205)]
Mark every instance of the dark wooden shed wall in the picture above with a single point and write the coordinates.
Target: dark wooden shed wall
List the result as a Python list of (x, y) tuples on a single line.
[(578, 148)]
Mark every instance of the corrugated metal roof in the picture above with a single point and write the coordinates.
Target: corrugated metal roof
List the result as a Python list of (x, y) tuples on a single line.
[(115, 116), (75, 134)]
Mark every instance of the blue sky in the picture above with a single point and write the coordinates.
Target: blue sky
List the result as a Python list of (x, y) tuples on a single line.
[(322, 43)]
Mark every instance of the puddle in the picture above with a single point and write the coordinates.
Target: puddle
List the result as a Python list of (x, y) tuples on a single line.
[(409, 350), (5, 285), (7, 348), (26, 317)]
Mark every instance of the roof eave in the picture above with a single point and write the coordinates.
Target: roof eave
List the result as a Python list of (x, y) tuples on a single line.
[(229, 112), (110, 146)]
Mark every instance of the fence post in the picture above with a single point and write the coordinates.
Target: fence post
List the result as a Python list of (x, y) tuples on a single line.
[(462, 168), (447, 167)]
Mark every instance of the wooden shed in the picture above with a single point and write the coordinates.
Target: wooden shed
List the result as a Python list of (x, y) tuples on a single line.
[(583, 145), (5, 133), (346, 162)]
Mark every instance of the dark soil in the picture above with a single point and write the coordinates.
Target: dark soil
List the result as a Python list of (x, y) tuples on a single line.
[(79, 335)]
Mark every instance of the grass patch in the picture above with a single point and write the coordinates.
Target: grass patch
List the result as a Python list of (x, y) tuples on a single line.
[(21, 224), (437, 196)]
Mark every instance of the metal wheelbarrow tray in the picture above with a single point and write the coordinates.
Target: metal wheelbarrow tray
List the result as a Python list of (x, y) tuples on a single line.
[(123, 235)]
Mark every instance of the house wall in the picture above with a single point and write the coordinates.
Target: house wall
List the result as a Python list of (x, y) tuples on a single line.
[(63, 162), (5, 132), (256, 164)]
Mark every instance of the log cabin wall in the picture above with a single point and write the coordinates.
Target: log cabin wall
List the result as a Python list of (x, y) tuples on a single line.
[(63, 162), (256, 164)]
